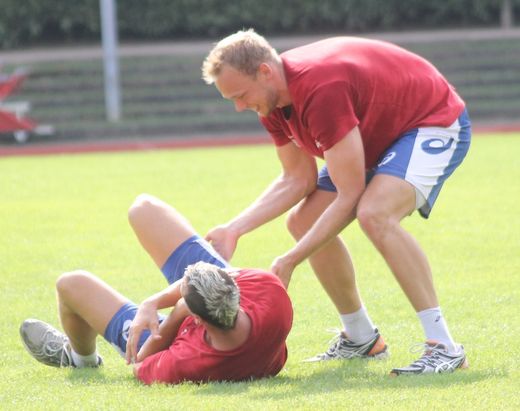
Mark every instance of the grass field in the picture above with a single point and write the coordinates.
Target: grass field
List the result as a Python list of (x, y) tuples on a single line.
[(59, 213)]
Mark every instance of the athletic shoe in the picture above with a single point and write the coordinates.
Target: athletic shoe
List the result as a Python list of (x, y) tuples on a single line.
[(342, 348), (435, 360), (48, 345)]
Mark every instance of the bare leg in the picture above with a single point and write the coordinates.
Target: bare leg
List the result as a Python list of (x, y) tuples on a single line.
[(158, 226), (386, 201), (86, 305), (332, 263)]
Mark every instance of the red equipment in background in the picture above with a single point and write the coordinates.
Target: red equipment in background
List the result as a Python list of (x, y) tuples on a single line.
[(13, 119)]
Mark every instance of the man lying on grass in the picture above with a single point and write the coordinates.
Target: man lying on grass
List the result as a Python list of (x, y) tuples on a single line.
[(227, 325)]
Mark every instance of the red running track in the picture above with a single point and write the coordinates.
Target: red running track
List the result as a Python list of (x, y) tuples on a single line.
[(34, 149)]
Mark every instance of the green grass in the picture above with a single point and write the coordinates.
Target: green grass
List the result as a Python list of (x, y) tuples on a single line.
[(59, 213)]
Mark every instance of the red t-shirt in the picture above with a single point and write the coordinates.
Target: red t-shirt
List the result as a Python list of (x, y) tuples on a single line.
[(264, 299), (339, 83)]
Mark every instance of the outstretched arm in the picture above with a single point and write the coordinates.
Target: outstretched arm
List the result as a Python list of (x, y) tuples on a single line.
[(346, 165), (297, 180)]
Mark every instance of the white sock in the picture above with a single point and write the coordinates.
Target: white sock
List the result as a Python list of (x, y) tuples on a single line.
[(81, 361), (435, 328), (358, 326)]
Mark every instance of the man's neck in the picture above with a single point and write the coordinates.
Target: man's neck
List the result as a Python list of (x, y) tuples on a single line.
[(281, 85), (227, 340)]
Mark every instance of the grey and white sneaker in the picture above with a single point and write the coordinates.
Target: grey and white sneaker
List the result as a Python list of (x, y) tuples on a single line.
[(48, 345), (342, 348), (435, 360)]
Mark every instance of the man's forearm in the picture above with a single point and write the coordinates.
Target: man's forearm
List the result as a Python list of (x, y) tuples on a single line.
[(346, 167), (279, 197), (168, 329), (165, 298), (331, 222)]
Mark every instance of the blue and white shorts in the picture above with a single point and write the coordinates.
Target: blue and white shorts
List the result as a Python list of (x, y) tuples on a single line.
[(425, 157), (191, 251)]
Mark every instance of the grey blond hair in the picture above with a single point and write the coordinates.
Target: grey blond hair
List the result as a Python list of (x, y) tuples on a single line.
[(212, 294), (244, 50)]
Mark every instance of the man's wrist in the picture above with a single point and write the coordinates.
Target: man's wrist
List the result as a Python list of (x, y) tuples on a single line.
[(236, 228), (293, 257), (135, 369), (150, 304)]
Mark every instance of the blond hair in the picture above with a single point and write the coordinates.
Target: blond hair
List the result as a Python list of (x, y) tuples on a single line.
[(244, 50), (212, 294)]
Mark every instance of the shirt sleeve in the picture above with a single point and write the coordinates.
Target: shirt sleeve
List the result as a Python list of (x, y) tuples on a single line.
[(329, 114), (159, 367), (274, 127)]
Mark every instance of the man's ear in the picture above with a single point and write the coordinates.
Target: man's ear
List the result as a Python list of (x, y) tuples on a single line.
[(265, 71)]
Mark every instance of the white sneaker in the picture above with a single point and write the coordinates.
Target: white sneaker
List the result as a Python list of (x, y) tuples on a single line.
[(435, 360), (342, 348), (48, 345)]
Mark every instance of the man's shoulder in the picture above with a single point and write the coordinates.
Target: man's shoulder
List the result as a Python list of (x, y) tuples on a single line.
[(334, 41), (258, 279), (254, 274), (260, 285)]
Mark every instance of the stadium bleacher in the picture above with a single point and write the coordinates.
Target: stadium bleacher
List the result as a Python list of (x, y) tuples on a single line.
[(164, 96)]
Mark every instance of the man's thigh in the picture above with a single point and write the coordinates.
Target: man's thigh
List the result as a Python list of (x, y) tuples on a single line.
[(388, 196), (312, 206), (191, 251), (425, 158), (159, 227), (169, 237)]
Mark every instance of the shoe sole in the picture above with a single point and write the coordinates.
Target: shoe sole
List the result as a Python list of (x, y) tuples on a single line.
[(463, 366), (379, 356)]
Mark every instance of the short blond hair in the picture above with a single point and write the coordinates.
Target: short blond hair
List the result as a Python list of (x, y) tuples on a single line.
[(244, 50), (212, 294)]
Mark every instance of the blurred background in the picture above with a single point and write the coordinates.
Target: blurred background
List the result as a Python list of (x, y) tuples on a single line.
[(55, 48)]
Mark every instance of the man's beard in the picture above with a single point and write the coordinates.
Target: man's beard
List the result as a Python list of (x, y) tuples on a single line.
[(271, 99)]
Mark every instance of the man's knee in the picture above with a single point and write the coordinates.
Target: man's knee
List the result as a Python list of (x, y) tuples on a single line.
[(296, 223), (373, 220), (72, 282), (142, 206), (302, 217)]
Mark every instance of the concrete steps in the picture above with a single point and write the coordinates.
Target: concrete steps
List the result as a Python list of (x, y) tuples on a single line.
[(163, 94)]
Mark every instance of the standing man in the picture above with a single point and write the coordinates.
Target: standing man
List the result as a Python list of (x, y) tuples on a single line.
[(391, 130)]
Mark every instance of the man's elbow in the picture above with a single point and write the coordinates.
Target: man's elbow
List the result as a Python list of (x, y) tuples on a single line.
[(135, 369), (302, 185)]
